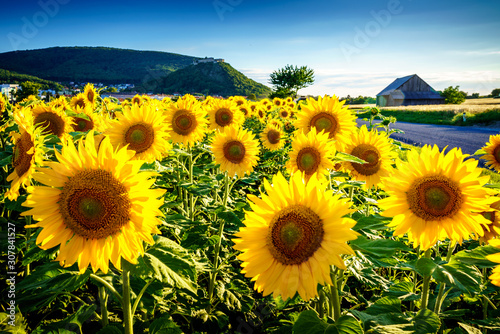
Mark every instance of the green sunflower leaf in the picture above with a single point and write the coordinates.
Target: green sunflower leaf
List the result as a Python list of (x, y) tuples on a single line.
[(309, 323)]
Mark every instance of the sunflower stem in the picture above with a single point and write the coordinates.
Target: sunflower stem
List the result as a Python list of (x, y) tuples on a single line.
[(28, 237), (442, 286), (139, 296), (108, 286), (103, 300), (425, 288), (321, 303), (335, 298), (485, 299), (128, 320), (191, 197), (213, 275)]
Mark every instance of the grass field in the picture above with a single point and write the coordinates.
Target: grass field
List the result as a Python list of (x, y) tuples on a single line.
[(477, 111)]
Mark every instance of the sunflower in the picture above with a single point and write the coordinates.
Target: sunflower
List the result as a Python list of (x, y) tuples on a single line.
[(277, 102), (285, 113), (311, 153), (246, 110), (90, 94), (95, 204), (144, 130), (239, 100), (433, 196), (375, 148), (52, 120), (60, 103), (292, 236), (492, 150), (327, 114), (79, 100), (223, 113), (272, 138), (275, 122), (88, 120), (3, 103), (236, 150), (28, 152), (187, 119), (137, 99), (492, 230), (261, 113)]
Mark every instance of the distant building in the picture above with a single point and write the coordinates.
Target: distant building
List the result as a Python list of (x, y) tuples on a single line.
[(7, 89), (407, 91), (207, 60)]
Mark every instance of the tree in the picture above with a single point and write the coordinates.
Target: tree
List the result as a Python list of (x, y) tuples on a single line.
[(495, 92), (26, 89), (288, 80), (453, 95)]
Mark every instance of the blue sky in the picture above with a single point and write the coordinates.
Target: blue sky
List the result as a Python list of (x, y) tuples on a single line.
[(354, 47)]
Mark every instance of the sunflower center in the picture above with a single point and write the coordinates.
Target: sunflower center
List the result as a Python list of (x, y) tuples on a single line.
[(223, 117), (82, 124), (369, 154), (325, 121), (295, 233), (308, 160), (80, 103), (184, 122), (284, 114), (434, 198), (90, 96), (94, 204), (51, 122), (234, 151), (21, 160), (496, 153), (140, 137), (273, 136)]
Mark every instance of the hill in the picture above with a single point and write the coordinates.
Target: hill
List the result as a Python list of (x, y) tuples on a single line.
[(16, 78), (209, 79), (93, 64)]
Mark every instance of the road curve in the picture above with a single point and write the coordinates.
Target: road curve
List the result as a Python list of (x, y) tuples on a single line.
[(468, 138)]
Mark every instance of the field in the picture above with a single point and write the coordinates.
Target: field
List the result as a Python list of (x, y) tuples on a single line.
[(238, 216)]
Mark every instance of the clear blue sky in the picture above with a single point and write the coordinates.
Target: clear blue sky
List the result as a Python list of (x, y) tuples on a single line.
[(354, 47)]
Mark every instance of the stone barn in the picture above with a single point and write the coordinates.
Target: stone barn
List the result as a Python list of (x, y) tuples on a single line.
[(408, 91)]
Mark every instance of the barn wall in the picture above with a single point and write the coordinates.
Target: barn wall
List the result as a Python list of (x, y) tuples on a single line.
[(391, 102), (415, 84)]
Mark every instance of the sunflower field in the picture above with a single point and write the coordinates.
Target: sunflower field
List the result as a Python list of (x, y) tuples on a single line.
[(239, 216)]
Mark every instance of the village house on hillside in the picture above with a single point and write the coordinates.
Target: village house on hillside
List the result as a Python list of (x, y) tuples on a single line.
[(407, 91), (207, 60)]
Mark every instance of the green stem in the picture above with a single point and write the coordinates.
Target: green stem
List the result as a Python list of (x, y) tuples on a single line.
[(27, 270), (213, 275), (191, 197), (442, 286), (128, 319), (335, 298), (425, 288), (321, 303), (485, 299), (108, 286), (138, 299), (103, 299)]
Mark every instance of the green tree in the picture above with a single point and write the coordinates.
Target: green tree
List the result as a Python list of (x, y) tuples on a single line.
[(288, 80), (453, 95), (495, 92), (26, 89)]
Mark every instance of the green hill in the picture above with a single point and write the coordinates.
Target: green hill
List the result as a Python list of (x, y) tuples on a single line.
[(16, 78), (209, 79), (93, 64)]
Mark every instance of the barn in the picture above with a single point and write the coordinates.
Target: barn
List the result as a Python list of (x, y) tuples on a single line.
[(407, 91)]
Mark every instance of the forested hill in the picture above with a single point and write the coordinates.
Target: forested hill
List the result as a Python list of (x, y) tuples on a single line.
[(9, 77), (93, 64), (209, 79)]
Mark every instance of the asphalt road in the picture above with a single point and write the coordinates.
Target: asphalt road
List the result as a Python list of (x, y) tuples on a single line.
[(468, 138)]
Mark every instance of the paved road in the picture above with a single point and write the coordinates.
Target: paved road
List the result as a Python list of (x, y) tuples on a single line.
[(468, 138)]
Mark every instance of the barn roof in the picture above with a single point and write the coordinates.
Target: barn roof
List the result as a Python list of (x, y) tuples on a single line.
[(395, 84)]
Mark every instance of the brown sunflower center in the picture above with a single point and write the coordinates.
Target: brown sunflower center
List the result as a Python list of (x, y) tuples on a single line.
[(325, 121), (308, 160), (183, 122), (434, 197), (51, 122), (82, 124), (21, 160), (90, 96), (369, 154), (261, 113), (284, 113), (295, 233), (496, 153), (80, 103), (273, 136), (94, 204), (234, 151), (140, 137), (136, 100), (223, 117)]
